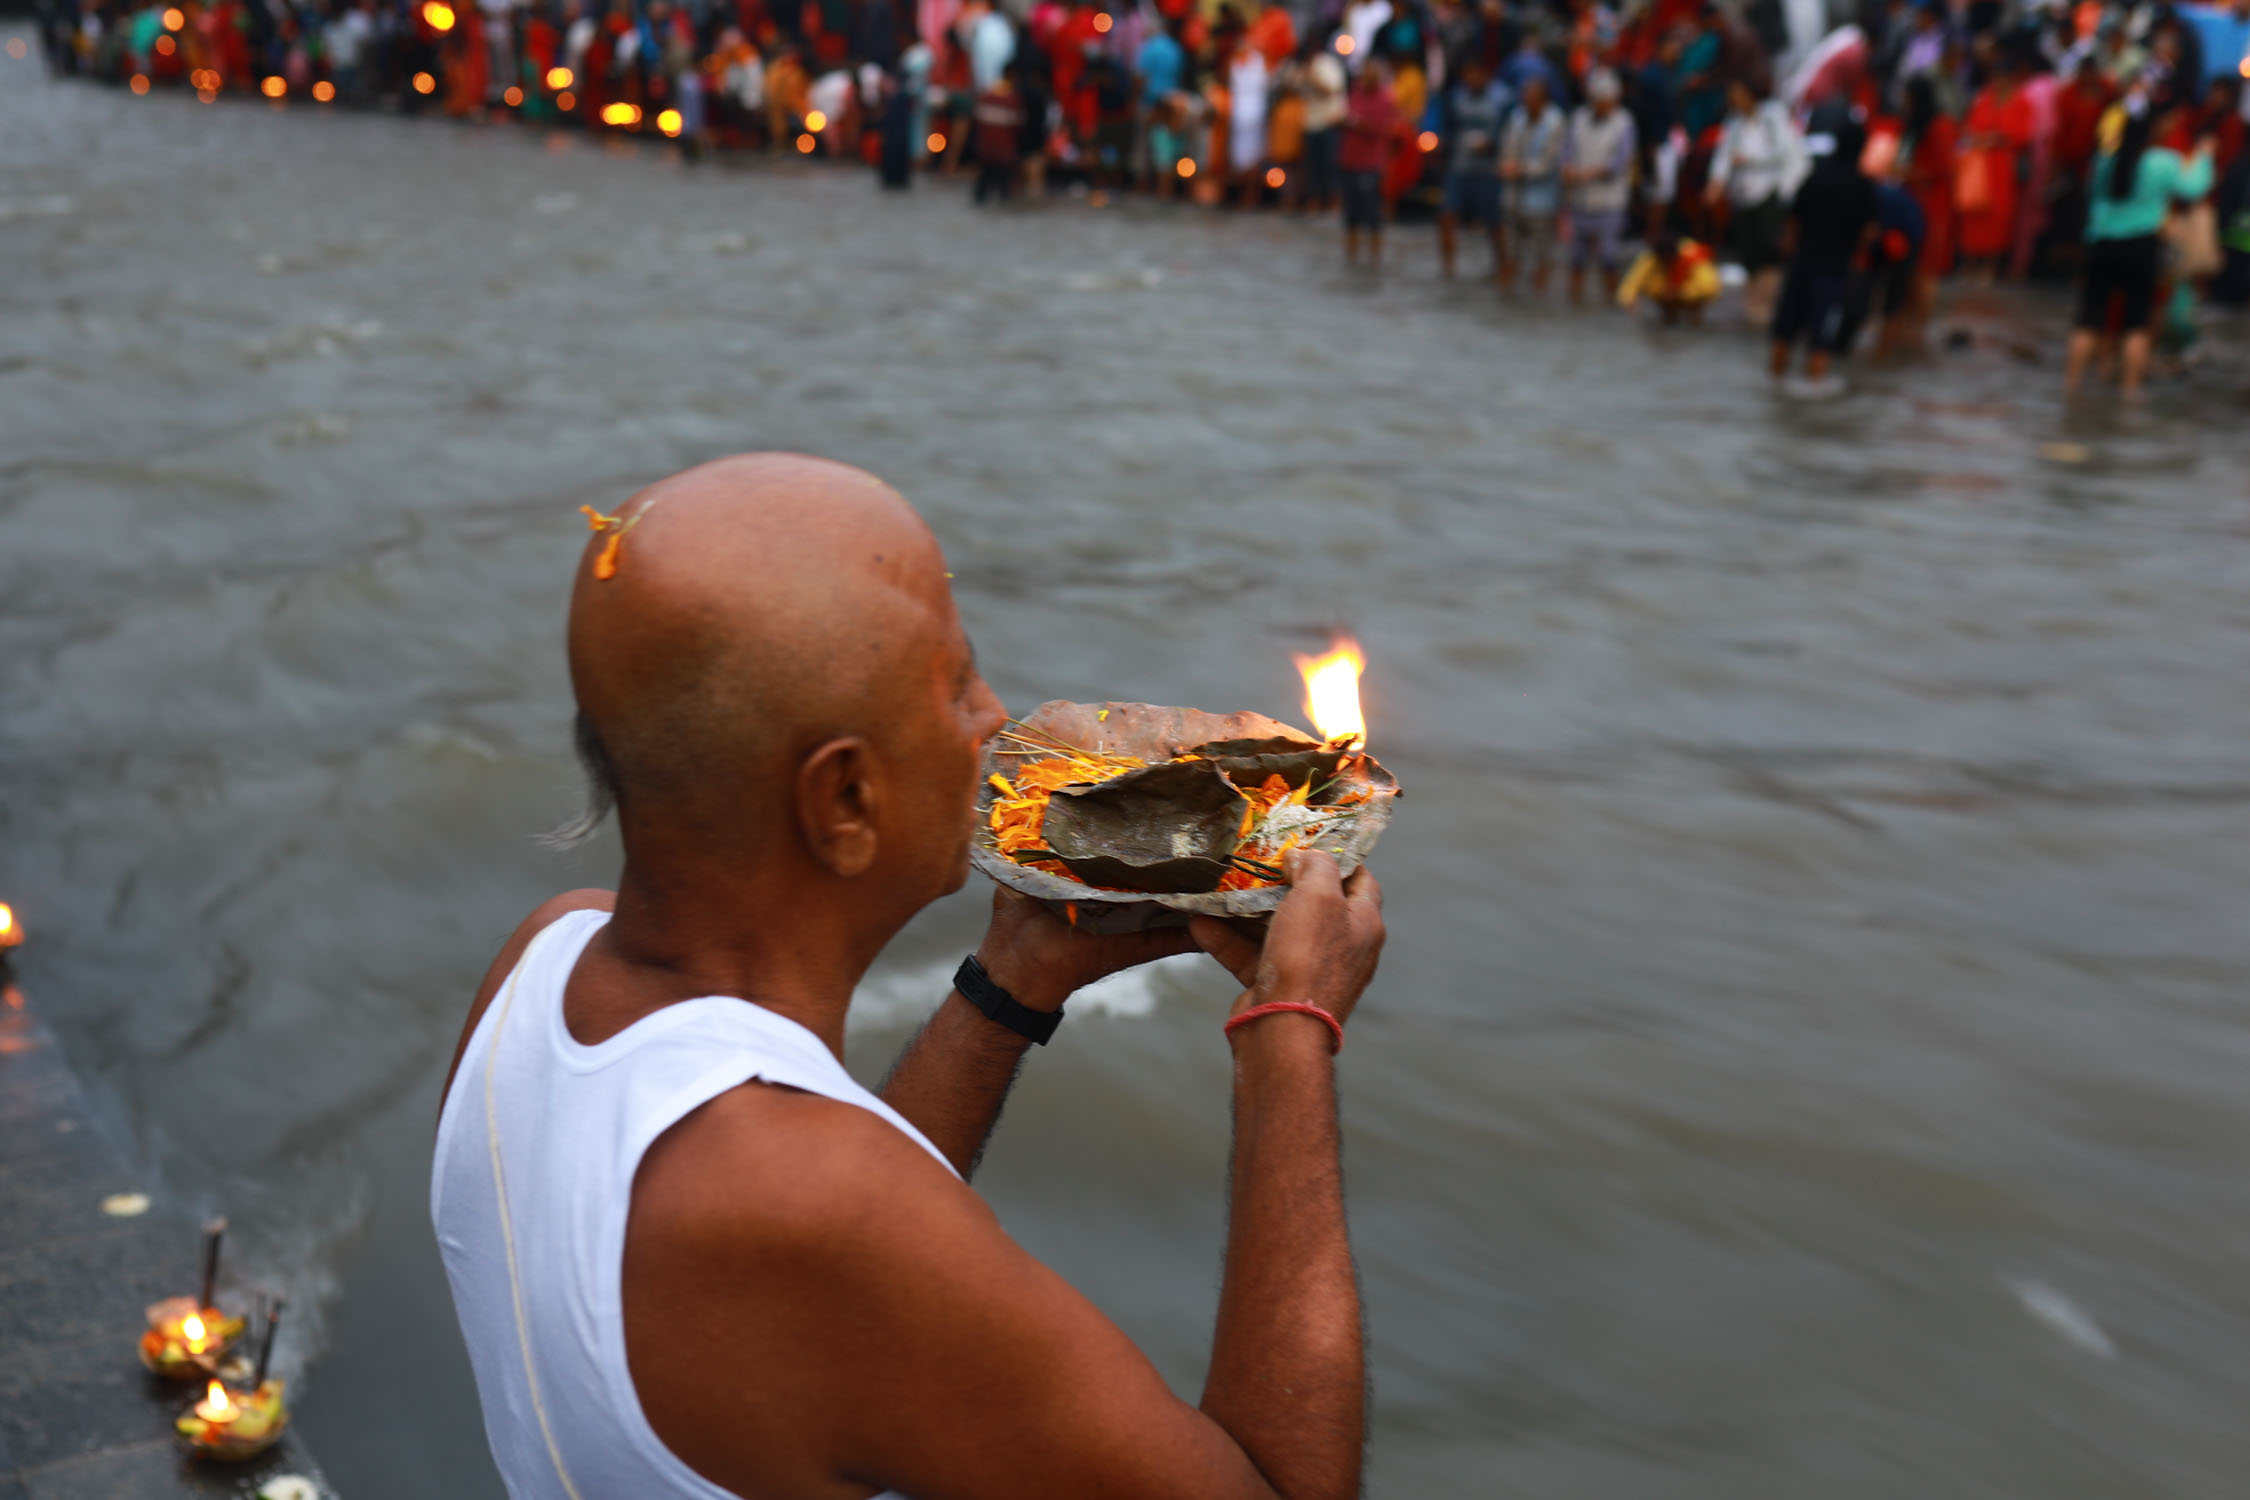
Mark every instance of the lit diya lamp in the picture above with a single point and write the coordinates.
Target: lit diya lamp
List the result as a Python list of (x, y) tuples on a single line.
[(232, 1424), (1125, 816), (188, 1336)]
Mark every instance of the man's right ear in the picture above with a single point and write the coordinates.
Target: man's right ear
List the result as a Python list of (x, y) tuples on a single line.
[(836, 808)]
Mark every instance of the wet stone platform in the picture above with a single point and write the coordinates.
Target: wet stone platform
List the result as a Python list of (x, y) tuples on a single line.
[(79, 1418)]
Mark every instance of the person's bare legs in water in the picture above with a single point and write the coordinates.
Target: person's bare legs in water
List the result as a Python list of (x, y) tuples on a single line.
[(2085, 343)]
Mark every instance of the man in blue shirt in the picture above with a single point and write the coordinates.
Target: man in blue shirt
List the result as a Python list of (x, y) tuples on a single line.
[(1476, 107)]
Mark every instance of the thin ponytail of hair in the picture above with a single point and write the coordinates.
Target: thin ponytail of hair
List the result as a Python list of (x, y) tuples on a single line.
[(2125, 161)]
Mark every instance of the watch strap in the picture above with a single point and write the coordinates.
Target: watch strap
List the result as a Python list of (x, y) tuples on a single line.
[(978, 988)]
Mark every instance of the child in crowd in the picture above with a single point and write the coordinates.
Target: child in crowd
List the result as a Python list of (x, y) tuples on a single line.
[(1677, 274), (999, 141), (1371, 129)]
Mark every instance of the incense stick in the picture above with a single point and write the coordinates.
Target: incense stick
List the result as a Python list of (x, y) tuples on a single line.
[(213, 1233), (265, 1346)]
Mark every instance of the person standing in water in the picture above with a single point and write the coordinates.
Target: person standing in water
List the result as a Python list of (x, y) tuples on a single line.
[(1831, 222), (1598, 166), (1371, 130), (1475, 108), (2134, 187), (1531, 153)]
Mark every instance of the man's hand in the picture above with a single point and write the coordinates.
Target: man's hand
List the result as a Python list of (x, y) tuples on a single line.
[(1319, 947), (1042, 960)]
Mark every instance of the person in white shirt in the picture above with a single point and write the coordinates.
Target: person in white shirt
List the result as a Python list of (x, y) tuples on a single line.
[(1598, 170), (1757, 166), (1324, 83)]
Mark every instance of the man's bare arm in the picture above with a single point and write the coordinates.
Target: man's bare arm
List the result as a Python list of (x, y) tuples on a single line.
[(1288, 1364), (918, 1348), (952, 1079)]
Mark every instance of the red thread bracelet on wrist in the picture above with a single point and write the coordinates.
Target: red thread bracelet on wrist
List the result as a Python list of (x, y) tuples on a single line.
[(1276, 1007)]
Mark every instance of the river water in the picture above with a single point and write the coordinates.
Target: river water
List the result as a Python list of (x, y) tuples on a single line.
[(1811, 1053)]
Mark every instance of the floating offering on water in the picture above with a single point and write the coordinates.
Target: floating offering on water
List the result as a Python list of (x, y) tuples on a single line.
[(1124, 816)]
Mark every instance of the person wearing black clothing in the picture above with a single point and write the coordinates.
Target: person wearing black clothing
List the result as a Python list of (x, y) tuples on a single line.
[(1831, 221)]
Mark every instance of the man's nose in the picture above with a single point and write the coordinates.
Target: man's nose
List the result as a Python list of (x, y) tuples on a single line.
[(995, 713)]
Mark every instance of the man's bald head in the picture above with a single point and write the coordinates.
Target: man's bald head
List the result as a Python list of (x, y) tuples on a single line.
[(761, 606)]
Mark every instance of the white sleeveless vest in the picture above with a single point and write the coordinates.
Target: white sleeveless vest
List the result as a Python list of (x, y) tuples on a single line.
[(536, 1150)]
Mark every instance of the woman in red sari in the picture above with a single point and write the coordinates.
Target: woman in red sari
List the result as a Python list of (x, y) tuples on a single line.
[(1925, 169), (1994, 138)]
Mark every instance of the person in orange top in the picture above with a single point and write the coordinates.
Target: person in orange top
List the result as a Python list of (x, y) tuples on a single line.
[(467, 62), (1995, 136), (786, 95)]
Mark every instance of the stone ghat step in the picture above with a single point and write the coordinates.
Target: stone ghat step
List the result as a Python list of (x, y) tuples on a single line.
[(79, 1418)]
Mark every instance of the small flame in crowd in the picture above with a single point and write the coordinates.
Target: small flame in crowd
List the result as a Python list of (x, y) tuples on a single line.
[(1332, 691)]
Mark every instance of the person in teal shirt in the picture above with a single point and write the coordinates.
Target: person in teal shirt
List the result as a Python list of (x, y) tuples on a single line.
[(2133, 187)]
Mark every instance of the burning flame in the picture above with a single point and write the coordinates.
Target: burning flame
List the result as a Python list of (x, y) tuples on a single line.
[(216, 1406), (1332, 691), (192, 1326), (7, 921)]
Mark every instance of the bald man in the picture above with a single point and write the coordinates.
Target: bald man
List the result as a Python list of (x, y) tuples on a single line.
[(690, 1255)]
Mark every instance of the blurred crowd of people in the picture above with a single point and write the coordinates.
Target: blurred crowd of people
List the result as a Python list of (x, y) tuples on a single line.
[(1837, 157)]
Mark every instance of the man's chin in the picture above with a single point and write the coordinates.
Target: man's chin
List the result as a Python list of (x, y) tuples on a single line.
[(960, 876)]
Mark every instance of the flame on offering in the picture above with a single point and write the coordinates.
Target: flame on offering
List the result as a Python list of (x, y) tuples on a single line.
[(215, 1407), (197, 1336), (9, 937), (1332, 692)]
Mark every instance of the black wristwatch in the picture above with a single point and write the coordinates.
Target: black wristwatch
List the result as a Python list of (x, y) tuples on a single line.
[(977, 988)]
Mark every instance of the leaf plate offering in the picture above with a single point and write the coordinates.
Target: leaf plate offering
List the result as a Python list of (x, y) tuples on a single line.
[(1126, 816)]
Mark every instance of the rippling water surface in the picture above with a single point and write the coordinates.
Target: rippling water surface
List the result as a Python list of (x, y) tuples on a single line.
[(1811, 1057)]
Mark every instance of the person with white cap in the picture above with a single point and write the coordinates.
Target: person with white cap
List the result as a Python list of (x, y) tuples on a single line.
[(1598, 170)]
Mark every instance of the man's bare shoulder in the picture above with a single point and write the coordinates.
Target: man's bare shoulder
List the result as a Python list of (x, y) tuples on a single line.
[(787, 1170), (511, 952)]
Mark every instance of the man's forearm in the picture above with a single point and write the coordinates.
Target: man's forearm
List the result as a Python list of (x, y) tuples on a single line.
[(1288, 1367), (953, 1077)]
